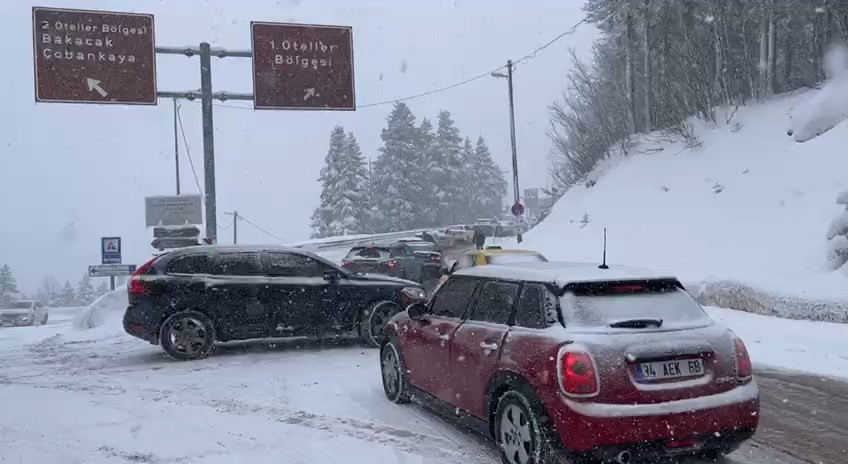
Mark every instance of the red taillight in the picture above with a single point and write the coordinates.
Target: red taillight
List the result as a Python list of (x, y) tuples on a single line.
[(346, 263), (391, 264), (744, 370), (578, 375), (136, 284), (436, 258)]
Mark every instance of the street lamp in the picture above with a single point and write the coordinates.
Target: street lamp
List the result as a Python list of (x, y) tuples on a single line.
[(508, 76)]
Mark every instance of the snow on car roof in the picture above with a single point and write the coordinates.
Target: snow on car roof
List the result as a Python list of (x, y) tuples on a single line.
[(561, 273)]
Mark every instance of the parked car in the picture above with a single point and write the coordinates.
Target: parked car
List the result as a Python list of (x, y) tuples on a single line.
[(460, 233), (189, 298), (395, 259), (23, 312), (565, 360)]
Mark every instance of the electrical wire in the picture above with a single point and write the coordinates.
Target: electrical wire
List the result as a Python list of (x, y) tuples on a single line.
[(261, 229), (523, 59), (188, 150)]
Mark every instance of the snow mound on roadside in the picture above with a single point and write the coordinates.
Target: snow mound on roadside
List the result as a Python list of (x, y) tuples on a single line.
[(108, 309), (829, 106)]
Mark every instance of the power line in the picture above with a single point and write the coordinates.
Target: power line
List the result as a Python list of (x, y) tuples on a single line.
[(523, 59), (260, 228), (188, 150)]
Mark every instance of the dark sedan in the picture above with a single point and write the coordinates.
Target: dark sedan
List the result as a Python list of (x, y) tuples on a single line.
[(188, 299)]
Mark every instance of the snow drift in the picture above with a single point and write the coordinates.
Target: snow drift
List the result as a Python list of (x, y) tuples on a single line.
[(106, 310), (829, 106), (748, 209)]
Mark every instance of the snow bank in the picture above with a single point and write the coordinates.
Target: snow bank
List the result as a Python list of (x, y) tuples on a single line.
[(828, 107), (106, 310), (748, 211)]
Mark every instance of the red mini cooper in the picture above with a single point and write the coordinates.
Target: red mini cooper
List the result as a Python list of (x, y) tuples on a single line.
[(564, 361)]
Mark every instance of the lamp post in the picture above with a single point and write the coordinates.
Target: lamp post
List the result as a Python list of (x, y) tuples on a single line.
[(508, 77)]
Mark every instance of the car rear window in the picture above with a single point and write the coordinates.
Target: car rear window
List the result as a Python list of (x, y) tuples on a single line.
[(511, 258), (603, 303), (368, 253), (422, 246), (19, 305)]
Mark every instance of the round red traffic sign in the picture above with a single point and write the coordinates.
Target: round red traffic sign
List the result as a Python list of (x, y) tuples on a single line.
[(517, 209)]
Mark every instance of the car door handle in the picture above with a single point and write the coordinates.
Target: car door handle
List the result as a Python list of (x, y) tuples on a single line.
[(489, 346), (444, 337)]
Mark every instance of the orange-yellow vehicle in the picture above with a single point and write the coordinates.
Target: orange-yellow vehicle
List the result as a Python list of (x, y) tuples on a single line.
[(491, 255)]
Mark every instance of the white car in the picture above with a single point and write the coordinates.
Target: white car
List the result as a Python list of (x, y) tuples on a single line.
[(23, 312), (460, 233)]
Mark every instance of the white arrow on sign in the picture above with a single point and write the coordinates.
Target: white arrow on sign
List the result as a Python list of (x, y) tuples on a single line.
[(310, 92), (94, 84)]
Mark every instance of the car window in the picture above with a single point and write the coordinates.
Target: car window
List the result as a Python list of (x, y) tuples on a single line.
[(495, 302), (293, 265), (368, 253), (453, 297), (190, 264), (510, 258), (602, 303), (530, 312), (244, 263)]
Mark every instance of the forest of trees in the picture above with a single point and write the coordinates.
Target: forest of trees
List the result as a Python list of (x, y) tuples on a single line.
[(659, 62), (424, 176)]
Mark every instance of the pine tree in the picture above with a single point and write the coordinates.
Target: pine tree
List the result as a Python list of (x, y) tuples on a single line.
[(102, 288), (400, 183), (446, 172), (344, 206), (85, 292), (49, 291), (67, 297), (426, 146), (487, 198), (8, 285)]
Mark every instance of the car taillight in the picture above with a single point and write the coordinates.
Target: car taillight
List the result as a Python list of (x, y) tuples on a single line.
[(346, 263), (391, 264), (578, 375), (744, 369), (136, 285), (436, 258)]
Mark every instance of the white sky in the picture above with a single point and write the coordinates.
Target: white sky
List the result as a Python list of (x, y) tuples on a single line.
[(70, 174)]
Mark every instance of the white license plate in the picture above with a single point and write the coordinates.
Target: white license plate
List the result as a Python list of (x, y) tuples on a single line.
[(669, 369)]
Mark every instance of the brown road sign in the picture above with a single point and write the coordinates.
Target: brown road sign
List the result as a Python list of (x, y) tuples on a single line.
[(302, 67), (93, 57)]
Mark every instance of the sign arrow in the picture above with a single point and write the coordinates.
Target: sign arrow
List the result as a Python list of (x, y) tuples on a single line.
[(310, 92), (94, 84)]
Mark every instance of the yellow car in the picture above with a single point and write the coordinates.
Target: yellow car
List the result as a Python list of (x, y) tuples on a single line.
[(492, 255)]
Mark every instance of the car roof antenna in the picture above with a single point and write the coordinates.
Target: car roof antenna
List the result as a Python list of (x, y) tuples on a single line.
[(604, 263)]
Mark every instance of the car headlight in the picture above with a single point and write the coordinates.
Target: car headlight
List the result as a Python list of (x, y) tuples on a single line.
[(414, 293)]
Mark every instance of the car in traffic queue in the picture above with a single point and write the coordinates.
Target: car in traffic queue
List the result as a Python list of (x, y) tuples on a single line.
[(23, 312), (491, 255), (572, 361), (187, 299), (460, 233), (393, 258)]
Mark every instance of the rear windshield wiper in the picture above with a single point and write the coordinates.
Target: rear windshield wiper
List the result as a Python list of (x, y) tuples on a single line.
[(636, 323)]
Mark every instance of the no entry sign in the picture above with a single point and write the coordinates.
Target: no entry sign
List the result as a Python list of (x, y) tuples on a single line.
[(302, 67), (93, 57)]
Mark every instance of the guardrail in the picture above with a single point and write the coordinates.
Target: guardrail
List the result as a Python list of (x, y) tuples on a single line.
[(323, 244)]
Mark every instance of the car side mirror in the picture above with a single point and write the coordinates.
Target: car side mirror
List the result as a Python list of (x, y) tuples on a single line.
[(332, 276), (417, 311)]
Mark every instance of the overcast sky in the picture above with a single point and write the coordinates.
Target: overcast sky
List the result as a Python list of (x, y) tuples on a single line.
[(70, 174)]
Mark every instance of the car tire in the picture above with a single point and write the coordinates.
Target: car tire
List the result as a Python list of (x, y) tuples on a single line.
[(44, 319), (393, 373), (372, 321), (187, 335), (522, 431)]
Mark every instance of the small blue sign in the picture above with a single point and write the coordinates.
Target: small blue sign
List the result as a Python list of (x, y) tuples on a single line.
[(110, 248)]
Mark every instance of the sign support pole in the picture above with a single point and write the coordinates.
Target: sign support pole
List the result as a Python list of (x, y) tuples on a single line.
[(112, 283), (176, 148), (208, 141)]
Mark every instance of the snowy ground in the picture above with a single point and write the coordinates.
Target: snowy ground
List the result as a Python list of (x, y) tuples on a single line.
[(100, 396), (749, 205)]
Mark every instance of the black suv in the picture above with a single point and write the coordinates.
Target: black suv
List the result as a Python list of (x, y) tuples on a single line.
[(191, 297), (396, 259)]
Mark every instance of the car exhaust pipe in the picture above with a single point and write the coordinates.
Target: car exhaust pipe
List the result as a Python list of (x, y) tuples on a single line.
[(623, 457)]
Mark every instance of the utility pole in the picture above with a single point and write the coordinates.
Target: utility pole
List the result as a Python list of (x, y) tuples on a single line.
[(235, 227), (516, 191), (176, 147)]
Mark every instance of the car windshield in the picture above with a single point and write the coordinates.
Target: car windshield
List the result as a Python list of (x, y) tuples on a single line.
[(512, 258), (368, 253), (18, 305), (644, 304)]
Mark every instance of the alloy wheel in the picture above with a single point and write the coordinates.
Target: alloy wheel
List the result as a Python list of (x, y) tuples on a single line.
[(187, 335), (391, 372), (516, 439)]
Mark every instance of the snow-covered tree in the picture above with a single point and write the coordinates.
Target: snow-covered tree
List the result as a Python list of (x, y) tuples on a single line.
[(85, 292), (486, 199), (400, 180), (8, 285), (67, 297), (49, 291), (446, 171), (426, 146), (344, 207), (102, 288), (837, 235)]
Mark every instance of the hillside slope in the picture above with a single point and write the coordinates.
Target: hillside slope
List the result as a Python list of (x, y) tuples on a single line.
[(750, 205)]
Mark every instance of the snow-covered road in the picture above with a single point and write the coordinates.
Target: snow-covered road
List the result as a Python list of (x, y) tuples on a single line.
[(100, 396)]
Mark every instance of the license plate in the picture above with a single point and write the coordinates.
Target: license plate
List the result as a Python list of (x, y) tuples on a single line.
[(669, 369)]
